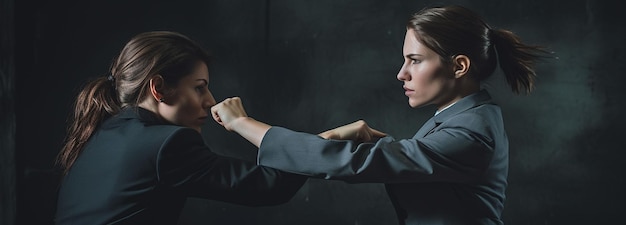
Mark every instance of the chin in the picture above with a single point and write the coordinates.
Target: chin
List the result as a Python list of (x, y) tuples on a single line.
[(416, 105)]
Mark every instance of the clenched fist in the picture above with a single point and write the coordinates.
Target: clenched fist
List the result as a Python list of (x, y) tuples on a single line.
[(228, 111)]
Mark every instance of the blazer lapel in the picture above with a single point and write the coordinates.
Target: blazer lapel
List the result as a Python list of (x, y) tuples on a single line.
[(426, 128)]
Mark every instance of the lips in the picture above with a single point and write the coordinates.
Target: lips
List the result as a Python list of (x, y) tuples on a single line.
[(407, 91)]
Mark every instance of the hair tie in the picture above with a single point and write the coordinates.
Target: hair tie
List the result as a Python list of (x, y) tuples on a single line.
[(111, 79), (492, 37)]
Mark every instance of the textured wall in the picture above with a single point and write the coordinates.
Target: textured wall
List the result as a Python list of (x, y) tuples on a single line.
[(7, 115), (314, 65)]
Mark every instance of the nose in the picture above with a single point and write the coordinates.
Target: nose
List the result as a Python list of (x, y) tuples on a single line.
[(209, 100), (403, 74)]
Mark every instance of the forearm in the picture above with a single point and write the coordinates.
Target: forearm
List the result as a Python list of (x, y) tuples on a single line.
[(250, 129)]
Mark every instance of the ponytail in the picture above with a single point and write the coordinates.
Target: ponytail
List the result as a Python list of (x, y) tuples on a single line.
[(516, 59), (96, 102)]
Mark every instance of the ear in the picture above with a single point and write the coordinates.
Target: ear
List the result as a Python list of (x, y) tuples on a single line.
[(461, 65), (157, 88)]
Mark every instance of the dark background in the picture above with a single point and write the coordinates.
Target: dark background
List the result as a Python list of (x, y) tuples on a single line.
[(315, 65)]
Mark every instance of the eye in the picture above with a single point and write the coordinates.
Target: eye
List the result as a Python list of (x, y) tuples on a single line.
[(200, 88), (415, 61)]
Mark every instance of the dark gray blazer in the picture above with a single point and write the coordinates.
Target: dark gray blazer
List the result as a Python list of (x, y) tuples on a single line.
[(138, 170), (453, 171)]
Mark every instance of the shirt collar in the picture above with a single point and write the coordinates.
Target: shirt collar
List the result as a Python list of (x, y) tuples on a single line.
[(444, 108)]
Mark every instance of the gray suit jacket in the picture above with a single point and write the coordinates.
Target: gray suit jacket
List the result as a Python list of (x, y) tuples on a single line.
[(136, 169), (453, 171)]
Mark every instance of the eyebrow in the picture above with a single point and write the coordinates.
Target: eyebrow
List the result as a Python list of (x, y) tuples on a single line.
[(205, 81), (412, 55)]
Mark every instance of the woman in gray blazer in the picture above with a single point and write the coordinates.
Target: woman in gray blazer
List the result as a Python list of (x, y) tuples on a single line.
[(454, 169), (134, 153)]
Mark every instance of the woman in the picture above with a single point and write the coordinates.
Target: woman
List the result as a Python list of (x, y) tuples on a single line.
[(134, 152), (454, 170)]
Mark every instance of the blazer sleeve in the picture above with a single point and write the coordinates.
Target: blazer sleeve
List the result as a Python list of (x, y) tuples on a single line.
[(458, 150), (186, 165)]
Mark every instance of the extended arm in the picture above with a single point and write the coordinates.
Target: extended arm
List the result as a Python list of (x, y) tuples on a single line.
[(231, 114), (187, 165), (446, 156), (459, 150)]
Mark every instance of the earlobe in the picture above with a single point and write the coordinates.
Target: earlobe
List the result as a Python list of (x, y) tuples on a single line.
[(461, 65)]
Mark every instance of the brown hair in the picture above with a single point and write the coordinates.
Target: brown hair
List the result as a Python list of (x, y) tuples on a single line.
[(455, 30), (169, 54)]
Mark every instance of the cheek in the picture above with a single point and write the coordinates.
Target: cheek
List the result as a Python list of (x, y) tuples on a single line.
[(181, 107), (422, 79), (192, 105), (188, 105), (428, 83)]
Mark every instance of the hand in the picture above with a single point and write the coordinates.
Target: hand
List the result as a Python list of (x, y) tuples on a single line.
[(358, 131), (228, 111)]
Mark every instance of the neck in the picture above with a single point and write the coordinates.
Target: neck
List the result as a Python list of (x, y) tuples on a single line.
[(463, 90), (150, 105)]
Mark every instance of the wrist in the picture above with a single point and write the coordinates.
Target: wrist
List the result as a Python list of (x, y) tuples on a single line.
[(239, 123), (249, 128)]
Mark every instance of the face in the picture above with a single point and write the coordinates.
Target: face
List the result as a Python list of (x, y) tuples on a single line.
[(188, 104), (426, 79)]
